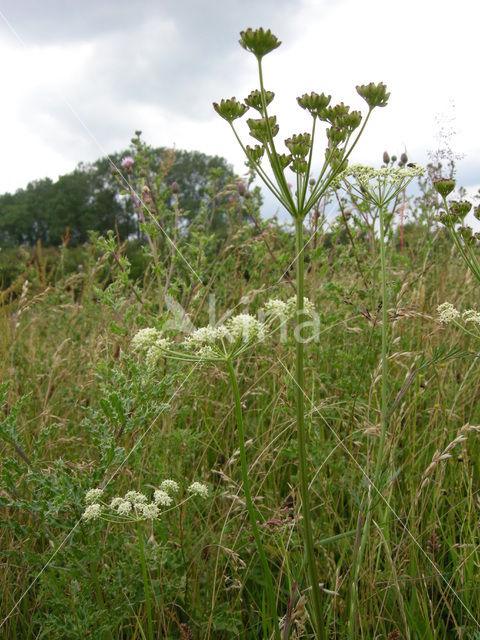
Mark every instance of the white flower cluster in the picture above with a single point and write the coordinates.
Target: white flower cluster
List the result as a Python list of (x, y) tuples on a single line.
[(214, 343), (394, 175), (447, 312), (470, 315), (286, 310), (198, 489), (149, 342), (93, 495), (135, 505)]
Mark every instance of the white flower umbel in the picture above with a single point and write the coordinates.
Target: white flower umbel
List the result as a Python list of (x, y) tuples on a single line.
[(198, 489), (149, 511), (92, 512), (93, 495), (162, 498), (156, 352), (470, 315), (245, 327), (135, 497), (169, 486), (144, 339), (447, 313), (124, 507), (380, 186)]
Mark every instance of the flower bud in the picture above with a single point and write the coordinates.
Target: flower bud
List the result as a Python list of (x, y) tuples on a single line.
[(259, 41), (174, 187), (241, 188), (444, 186), (375, 95), (230, 109), (403, 158), (386, 157)]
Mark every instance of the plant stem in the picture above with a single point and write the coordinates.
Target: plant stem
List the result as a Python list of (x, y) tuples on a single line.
[(248, 499), (385, 420), (145, 581), (301, 438)]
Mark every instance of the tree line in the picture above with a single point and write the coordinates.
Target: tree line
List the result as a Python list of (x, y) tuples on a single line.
[(94, 197)]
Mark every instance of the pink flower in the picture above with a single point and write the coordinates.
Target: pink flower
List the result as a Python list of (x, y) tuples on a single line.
[(127, 162)]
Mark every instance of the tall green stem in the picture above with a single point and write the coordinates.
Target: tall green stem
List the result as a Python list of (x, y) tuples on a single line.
[(301, 438), (145, 581), (248, 499), (383, 432)]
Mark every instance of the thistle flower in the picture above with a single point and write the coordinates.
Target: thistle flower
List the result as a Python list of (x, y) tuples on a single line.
[(93, 495), (447, 312), (92, 512), (198, 489), (127, 163)]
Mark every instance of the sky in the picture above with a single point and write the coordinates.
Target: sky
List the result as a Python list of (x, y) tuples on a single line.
[(79, 77)]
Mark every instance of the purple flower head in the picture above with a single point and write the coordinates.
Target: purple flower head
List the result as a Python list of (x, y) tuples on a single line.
[(127, 162), (175, 187)]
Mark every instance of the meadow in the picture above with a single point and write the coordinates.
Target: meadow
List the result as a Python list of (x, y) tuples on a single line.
[(248, 429)]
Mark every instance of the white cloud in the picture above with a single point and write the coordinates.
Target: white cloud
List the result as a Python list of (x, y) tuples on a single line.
[(159, 68)]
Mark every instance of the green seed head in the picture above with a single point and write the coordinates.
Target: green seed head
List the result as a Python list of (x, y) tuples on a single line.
[(258, 127), (444, 186), (284, 159), (259, 41), (460, 209), (254, 99), (375, 95), (255, 153), (299, 144), (230, 109), (314, 102), (299, 165)]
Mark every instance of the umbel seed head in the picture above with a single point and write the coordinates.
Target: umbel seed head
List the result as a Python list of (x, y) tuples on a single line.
[(259, 41), (460, 209), (375, 95), (254, 99), (230, 109), (314, 102), (444, 186)]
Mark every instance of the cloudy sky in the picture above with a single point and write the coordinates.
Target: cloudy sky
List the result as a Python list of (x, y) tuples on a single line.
[(79, 77)]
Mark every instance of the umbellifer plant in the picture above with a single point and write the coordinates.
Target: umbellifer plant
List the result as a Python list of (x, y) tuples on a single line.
[(343, 130)]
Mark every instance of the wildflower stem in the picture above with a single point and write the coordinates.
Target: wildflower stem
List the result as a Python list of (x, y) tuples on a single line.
[(385, 420), (146, 587), (301, 439), (248, 500)]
